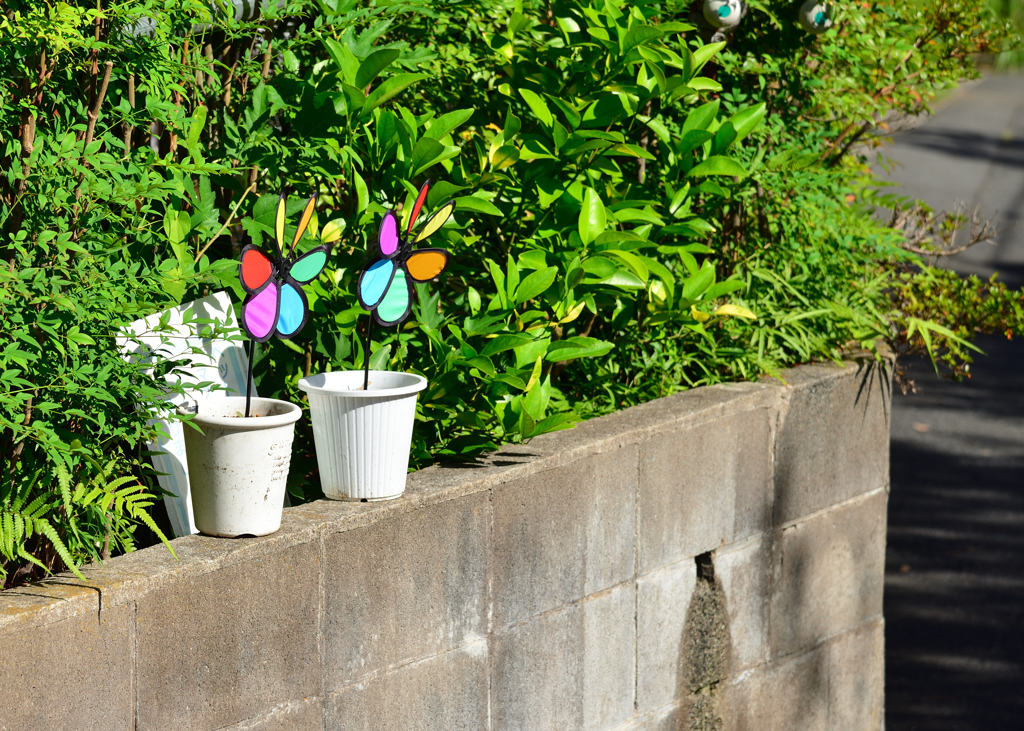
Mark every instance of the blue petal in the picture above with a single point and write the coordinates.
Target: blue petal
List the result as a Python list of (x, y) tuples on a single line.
[(292, 311), (375, 280)]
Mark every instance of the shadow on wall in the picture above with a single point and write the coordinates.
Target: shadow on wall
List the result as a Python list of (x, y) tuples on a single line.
[(706, 649)]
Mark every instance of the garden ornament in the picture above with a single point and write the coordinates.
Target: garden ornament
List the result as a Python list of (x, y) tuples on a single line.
[(275, 303), (385, 287), (816, 17), (725, 14)]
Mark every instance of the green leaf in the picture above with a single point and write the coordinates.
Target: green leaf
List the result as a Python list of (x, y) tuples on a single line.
[(505, 156), (725, 136), (196, 127), (518, 22), (696, 285), (639, 35), (479, 205), (624, 280), (379, 358), (702, 84), (718, 165), (592, 220), (78, 337), (505, 342), (555, 422), (701, 117), (537, 106), (425, 152), (704, 54), (343, 58), (374, 64), (362, 195), (389, 88), (549, 190), (693, 139), (447, 122), (632, 261), (747, 120), (177, 225), (577, 347), (534, 150), (535, 284), (572, 116), (291, 61)]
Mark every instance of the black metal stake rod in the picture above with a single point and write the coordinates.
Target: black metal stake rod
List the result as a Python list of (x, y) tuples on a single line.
[(248, 378), (366, 354)]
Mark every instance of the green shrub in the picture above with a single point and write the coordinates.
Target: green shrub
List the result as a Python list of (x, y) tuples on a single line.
[(638, 212)]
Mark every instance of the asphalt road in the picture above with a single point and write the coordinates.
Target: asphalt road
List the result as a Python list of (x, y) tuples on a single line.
[(954, 587)]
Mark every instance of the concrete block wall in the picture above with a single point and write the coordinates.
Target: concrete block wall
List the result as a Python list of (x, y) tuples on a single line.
[(712, 560)]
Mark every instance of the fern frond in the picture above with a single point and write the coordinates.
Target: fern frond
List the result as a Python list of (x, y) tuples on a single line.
[(151, 524), (7, 537), (64, 483), (43, 526), (30, 558)]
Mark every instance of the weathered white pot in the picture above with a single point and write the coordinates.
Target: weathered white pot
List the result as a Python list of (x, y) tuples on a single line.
[(815, 16), (238, 466), (363, 437), (723, 13)]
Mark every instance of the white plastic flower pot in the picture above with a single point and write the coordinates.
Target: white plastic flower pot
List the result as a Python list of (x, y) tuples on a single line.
[(723, 13), (363, 437), (238, 466), (816, 17)]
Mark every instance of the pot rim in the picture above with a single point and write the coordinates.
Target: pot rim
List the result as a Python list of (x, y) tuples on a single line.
[(242, 423), (418, 384)]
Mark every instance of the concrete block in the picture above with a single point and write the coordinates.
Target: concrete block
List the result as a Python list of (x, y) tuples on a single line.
[(671, 718), (563, 534), (744, 572), (304, 715), (537, 666), (828, 574), (663, 600), (833, 441), (72, 674), (405, 588), (573, 668), (692, 480), (231, 644), (857, 678), (789, 695), (609, 657), (445, 692), (755, 494)]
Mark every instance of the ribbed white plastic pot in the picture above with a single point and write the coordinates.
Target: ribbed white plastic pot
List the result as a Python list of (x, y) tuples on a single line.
[(238, 466), (363, 437)]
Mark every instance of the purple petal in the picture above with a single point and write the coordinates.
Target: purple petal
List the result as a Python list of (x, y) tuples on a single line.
[(260, 313)]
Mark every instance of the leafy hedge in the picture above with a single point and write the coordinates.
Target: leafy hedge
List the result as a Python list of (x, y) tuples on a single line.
[(639, 211)]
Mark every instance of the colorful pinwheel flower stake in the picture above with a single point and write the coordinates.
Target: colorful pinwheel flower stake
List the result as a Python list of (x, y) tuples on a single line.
[(238, 467), (275, 303), (386, 286)]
